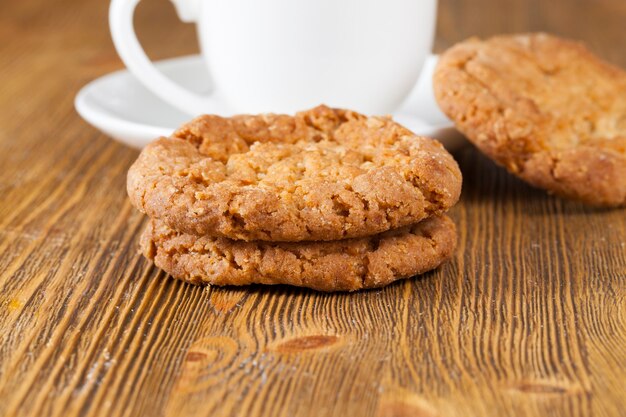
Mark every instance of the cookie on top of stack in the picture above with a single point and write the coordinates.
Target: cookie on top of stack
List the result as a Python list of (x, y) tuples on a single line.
[(327, 199)]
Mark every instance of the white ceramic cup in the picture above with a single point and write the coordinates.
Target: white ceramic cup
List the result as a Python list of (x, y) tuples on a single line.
[(287, 55)]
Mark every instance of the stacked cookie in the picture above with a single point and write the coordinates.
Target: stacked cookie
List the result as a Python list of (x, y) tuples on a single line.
[(327, 199)]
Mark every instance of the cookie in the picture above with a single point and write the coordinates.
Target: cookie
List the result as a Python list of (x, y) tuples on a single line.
[(323, 174), (344, 265), (545, 108)]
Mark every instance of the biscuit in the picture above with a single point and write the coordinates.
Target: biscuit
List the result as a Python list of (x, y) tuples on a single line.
[(323, 174), (545, 108), (344, 265)]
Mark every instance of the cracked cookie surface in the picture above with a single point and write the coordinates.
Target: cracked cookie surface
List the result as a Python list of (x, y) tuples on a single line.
[(543, 107), (345, 265), (323, 174)]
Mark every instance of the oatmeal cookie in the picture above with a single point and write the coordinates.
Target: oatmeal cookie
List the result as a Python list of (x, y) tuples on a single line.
[(323, 174), (344, 265), (545, 108)]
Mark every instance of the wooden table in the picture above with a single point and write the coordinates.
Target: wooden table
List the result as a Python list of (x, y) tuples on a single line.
[(529, 318)]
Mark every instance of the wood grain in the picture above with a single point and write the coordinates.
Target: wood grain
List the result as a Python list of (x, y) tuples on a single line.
[(528, 319)]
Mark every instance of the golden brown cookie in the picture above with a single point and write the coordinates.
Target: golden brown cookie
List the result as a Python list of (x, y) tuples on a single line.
[(344, 265), (324, 174), (546, 108)]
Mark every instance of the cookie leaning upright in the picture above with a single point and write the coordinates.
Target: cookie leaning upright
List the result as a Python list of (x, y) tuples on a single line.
[(546, 108), (323, 174)]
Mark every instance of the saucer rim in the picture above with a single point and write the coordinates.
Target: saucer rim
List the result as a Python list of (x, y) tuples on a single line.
[(134, 134)]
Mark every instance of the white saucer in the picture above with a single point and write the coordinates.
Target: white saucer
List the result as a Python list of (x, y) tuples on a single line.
[(118, 105)]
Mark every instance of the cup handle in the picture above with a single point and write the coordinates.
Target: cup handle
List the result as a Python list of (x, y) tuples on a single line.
[(132, 54)]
